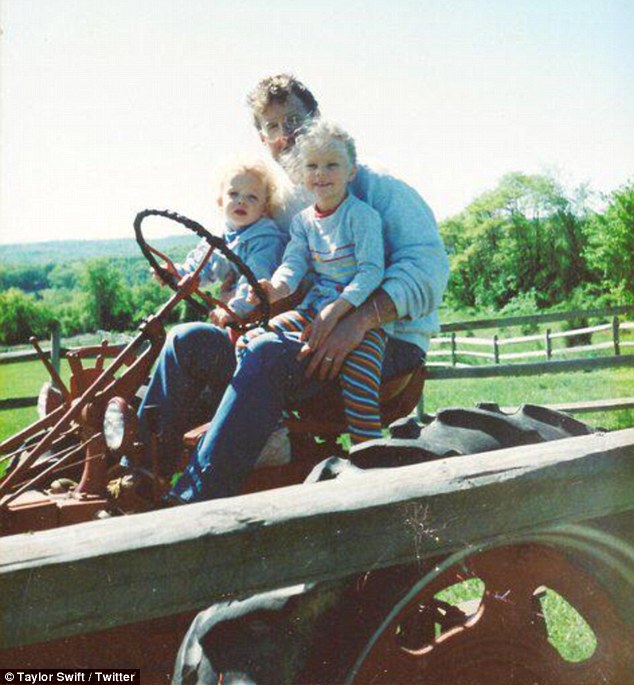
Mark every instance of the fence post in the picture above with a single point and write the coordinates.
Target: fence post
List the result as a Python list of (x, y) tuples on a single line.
[(420, 407), (615, 335), (453, 349), (55, 346), (496, 349), (549, 345)]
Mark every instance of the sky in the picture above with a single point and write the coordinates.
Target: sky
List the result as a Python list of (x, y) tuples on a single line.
[(107, 108)]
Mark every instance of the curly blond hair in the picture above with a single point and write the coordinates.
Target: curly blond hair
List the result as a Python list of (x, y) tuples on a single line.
[(320, 135), (257, 167)]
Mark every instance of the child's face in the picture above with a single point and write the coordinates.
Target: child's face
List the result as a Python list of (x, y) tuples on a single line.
[(326, 173), (243, 199)]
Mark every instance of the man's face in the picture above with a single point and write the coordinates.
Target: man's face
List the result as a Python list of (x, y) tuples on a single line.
[(280, 122)]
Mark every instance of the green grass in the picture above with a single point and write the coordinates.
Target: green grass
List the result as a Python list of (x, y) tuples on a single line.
[(25, 379), (22, 379), (14, 420), (568, 631), (544, 389)]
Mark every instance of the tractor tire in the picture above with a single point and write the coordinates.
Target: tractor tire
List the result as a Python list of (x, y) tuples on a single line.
[(319, 633)]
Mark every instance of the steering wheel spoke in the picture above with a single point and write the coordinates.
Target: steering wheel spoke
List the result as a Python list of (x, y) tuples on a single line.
[(201, 301)]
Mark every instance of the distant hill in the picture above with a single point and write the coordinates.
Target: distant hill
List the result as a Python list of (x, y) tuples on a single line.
[(25, 254)]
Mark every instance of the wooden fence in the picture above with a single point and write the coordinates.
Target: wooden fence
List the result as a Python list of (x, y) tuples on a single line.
[(495, 343), (448, 350), (54, 351), (101, 574), (445, 358), (447, 346)]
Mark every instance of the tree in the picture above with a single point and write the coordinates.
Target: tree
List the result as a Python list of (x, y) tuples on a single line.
[(611, 244), (65, 275), (29, 277), (21, 316), (525, 236), (108, 300)]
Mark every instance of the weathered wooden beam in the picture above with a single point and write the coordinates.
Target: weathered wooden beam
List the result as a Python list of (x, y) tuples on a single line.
[(105, 573), (587, 407), (535, 318), (529, 368)]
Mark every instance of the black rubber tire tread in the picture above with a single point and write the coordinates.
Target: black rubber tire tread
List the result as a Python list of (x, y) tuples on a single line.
[(338, 618), (457, 431)]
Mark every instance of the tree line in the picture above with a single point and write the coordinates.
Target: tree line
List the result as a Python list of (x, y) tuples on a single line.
[(525, 246), (528, 245)]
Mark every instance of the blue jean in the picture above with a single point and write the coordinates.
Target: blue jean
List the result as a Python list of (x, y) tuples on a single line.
[(196, 357), (257, 387)]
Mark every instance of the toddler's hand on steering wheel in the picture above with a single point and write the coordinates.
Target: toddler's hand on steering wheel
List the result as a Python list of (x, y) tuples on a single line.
[(188, 287), (220, 317), (272, 291), (169, 267)]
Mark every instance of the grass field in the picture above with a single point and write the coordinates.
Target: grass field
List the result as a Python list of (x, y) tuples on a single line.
[(22, 379), (545, 389), (25, 379)]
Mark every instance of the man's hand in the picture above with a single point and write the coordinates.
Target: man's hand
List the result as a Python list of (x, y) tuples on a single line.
[(332, 349), (324, 322), (329, 356), (220, 317)]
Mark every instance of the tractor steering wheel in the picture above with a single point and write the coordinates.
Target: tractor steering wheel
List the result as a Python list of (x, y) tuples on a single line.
[(204, 303)]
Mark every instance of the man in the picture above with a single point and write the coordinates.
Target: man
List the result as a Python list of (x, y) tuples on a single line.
[(275, 370)]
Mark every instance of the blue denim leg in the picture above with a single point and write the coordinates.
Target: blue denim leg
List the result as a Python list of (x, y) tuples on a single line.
[(267, 374), (194, 356)]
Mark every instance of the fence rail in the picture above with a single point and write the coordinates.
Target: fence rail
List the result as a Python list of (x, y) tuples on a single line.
[(455, 356), (453, 368), (528, 368), (509, 321), (586, 407)]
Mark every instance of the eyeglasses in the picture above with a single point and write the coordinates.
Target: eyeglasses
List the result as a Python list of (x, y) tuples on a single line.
[(290, 125)]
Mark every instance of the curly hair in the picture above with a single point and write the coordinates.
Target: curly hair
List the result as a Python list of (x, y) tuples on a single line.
[(277, 89), (320, 135), (257, 167)]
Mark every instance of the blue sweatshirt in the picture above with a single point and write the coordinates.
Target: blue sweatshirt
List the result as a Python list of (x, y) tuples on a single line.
[(416, 265), (260, 246)]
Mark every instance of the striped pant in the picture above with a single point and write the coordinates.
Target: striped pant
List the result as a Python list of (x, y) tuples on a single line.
[(360, 376)]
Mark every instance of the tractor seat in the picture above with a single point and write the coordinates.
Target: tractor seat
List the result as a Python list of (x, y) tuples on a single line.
[(323, 414)]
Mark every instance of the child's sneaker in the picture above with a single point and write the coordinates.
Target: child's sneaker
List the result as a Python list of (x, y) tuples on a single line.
[(277, 450)]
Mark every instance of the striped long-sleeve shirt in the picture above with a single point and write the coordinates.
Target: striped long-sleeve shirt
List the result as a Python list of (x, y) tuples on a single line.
[(343, 250)]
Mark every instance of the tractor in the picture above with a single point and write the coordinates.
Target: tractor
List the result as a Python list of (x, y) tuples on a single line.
[(387, 625)]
